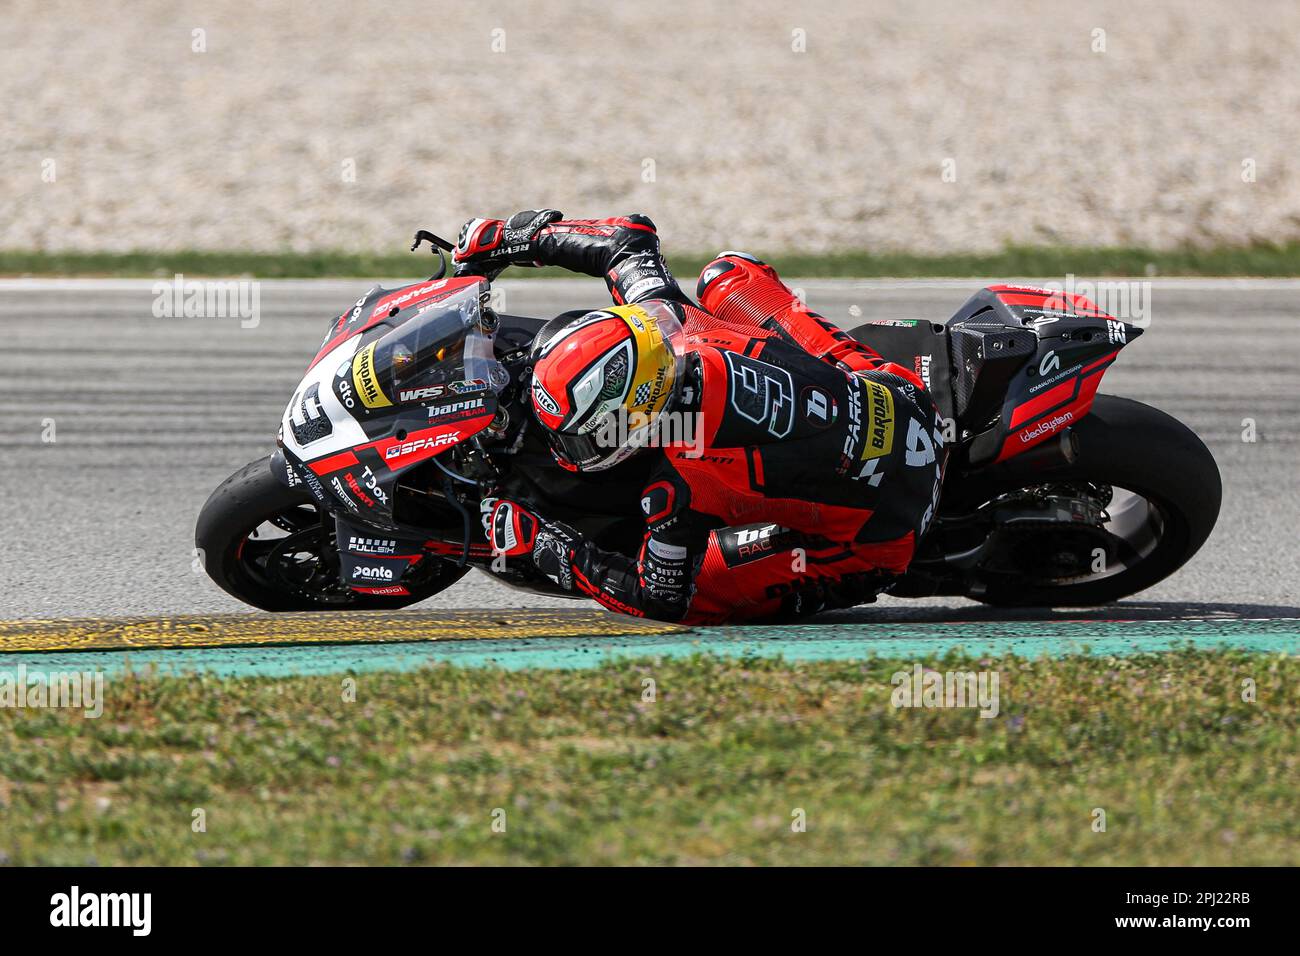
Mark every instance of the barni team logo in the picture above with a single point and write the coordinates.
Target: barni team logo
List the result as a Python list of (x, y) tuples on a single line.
[(923, 369), (460, 409)]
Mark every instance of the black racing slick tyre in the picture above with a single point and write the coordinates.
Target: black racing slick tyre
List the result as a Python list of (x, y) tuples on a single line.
[(266, 544), (1171, 495)]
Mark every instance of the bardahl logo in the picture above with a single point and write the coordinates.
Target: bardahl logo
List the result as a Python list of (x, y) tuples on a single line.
[(365, 379), (880, 421)]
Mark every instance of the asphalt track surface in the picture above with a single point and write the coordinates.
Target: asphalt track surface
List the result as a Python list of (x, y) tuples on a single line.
[(150, 414)]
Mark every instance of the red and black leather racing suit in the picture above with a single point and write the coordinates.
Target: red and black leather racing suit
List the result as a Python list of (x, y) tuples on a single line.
[(821, 463)]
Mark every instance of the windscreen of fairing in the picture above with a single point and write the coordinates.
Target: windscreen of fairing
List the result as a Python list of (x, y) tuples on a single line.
[(441, 351)]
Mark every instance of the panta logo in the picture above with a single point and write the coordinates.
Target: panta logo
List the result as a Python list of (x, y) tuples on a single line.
[(372, 574), (1050, 363), (363, 375), (880, 420)]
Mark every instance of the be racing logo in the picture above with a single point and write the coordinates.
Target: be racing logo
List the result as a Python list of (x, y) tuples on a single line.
[(366, 381)]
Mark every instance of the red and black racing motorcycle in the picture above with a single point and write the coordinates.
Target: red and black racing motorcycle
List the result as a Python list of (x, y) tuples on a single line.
[(417, 406)]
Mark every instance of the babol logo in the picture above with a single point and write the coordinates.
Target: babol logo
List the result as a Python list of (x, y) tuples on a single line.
[(395, 589), (1051, 425)]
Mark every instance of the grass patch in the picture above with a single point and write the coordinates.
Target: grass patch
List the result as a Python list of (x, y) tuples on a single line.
[(586, 772), (1017, 261)]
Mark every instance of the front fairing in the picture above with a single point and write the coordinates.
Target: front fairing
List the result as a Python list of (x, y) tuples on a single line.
[(402, 377)]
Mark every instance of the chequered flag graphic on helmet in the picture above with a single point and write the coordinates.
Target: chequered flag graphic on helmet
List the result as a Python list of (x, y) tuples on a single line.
[(642, 394)]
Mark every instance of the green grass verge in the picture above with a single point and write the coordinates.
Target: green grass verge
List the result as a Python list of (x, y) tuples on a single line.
[(1045, 262), (711, 772)]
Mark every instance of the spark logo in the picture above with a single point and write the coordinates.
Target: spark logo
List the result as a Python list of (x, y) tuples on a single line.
[(421, 444)]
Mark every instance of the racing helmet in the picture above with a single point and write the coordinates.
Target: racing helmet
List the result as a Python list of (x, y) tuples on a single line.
[(603, 380)]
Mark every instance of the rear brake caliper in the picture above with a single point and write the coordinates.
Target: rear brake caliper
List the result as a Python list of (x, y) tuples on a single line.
[(1049, 531)]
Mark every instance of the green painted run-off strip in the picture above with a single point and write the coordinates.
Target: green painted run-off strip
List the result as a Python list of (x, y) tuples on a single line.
[(806, 642)]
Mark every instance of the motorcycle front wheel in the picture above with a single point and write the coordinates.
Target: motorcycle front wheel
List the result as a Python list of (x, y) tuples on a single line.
[(272, 547)]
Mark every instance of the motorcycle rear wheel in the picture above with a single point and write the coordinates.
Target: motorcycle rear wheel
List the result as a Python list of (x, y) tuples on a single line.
[(1172, 496)]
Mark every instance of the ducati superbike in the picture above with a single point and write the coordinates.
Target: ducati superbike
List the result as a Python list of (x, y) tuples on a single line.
[(416, 407)]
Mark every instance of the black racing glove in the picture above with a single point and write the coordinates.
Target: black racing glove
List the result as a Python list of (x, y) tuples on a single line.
[(515, 531), (487, 246)]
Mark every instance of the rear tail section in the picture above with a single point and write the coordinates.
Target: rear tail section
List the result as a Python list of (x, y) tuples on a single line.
[(744, 292)]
